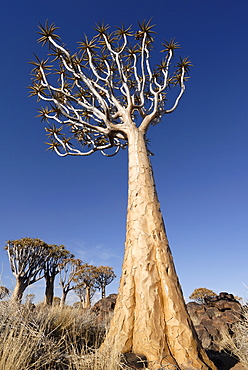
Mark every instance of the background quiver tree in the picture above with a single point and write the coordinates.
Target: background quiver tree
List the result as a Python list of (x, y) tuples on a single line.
[(56, 301), (27, 257), (102, 98), (4, 292), (67, 273), (55, 255), (105, 276), (80, 291), (85, 279), (29, 299), (199, 294)]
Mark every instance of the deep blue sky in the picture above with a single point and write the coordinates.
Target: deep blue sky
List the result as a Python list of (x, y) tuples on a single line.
[(200, 161)]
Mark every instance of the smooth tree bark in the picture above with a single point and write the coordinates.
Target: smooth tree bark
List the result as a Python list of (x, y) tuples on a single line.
[(107, 98)]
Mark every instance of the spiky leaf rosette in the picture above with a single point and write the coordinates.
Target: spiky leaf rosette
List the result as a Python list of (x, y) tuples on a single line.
[(91, 95)]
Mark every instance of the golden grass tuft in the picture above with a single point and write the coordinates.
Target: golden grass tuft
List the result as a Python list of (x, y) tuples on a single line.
[(235, 340), (51, 338)]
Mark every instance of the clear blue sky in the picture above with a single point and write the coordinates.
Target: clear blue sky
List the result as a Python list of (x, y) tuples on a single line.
[(200, 162)]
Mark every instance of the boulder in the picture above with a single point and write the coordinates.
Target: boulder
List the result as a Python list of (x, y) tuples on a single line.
[(104, 308), (216, 315), (134, 361)]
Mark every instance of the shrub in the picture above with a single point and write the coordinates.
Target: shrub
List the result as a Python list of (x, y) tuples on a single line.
[(50, 338), (235, 340)]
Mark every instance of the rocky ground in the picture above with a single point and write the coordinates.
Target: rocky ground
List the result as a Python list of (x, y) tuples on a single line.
[(209, 319)]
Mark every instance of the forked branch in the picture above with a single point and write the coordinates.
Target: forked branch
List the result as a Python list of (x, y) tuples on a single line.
[(93, 96)]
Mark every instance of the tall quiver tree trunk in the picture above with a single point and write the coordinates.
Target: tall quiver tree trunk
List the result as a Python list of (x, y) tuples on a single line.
[(150, 316)]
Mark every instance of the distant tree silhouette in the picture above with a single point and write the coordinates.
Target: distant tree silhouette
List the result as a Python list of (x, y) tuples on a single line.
[(56, 301), (105, 276), (85, 279), (30, 298), (4, 292), (199, 294), (67, 272)]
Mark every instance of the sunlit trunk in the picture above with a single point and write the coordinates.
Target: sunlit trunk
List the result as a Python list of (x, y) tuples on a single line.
[(18, 290), (150, 316), (87, 302), (63, 298), (103, 289)]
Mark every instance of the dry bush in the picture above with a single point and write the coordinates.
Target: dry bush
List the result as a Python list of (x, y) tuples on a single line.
[(47, 338), (235, 340), (23, 343)]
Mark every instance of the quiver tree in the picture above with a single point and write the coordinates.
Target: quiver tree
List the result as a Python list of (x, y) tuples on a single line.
[(56, 301), (67, 273), (85, 279), (29, 298), (80, 291), (4, 292), (26, 257), (55, 255), (200, 294), (103, 98), (105, 276)]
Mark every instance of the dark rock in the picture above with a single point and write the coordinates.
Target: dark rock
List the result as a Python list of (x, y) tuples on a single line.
[(208, 299), (224, 305), (104, 307), (196, 311), (216, 315), (134, 361), (228, 296), (212, 312), (204, 336)]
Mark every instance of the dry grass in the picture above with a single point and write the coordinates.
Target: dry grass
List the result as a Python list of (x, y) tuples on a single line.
[(51, 338), (54, 338), (235, 341)]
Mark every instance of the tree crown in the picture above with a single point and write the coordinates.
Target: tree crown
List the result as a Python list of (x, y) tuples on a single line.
[(104, 276), (55, 256), (26, 256), (95, 94), (199, 294)]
